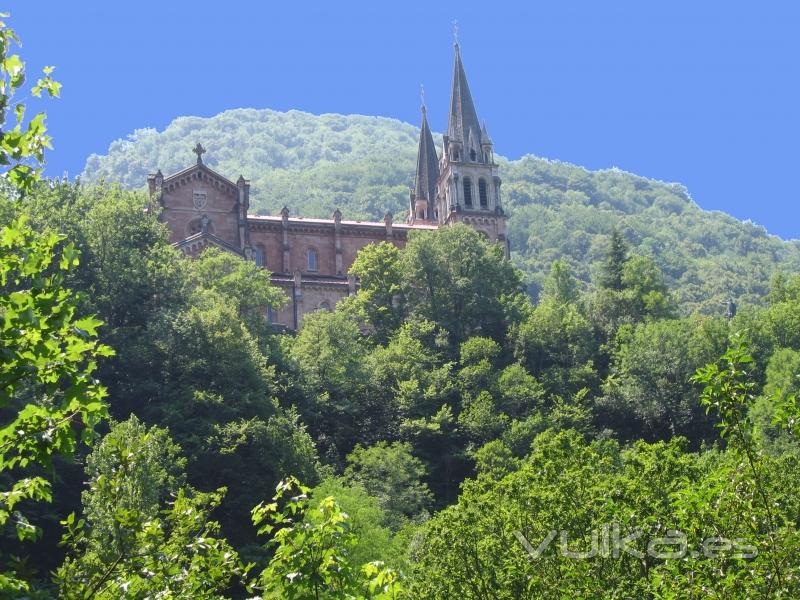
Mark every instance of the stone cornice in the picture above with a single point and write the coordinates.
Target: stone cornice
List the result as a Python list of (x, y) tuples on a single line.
[(201, 173)]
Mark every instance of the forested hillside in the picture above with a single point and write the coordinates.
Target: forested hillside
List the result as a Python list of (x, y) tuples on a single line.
[(160, 439), (365, 165)]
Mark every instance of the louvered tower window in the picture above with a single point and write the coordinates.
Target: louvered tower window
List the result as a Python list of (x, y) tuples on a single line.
[(467, 191), (484, 198)]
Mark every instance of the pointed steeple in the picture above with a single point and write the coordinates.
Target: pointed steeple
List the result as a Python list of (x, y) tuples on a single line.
[(485, 134), (463, 116), (427, 164)]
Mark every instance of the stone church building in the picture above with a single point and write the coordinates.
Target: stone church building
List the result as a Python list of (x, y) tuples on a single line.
[(310, 258)]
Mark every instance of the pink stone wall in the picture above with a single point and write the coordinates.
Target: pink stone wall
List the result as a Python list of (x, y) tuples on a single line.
[(180, 211)]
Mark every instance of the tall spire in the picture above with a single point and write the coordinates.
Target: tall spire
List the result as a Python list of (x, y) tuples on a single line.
[(463, 117), (427, 164)]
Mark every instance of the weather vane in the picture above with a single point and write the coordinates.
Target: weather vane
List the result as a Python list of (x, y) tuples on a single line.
[(455, 32), (422, 95)]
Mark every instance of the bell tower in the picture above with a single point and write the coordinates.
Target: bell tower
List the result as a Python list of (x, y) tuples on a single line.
[(468, 187)]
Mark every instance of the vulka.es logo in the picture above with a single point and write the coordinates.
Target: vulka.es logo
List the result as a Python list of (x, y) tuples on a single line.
[(609, 542)]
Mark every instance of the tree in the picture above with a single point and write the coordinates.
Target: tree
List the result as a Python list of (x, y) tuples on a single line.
[(558, 345), (47, 385), (329, 354), (456, 279), (560, 286), (154, 471), (216, 391), (22, 146), (648, 392), (642, 295), (177, 554), (144, 534), (239, 281), (393, 475), (619, 511), (48, 354), (614, 265), (377, 267), (368, 522), (311, 557), (416, 388)]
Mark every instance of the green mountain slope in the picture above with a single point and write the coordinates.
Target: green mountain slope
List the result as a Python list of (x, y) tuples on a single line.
[(365, 165)]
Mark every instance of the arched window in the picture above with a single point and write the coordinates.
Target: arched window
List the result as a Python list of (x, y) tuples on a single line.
[(270, 315), (259, 256), (313, 260), (484, 196), (472, 154), (467, 191), (325, 306)]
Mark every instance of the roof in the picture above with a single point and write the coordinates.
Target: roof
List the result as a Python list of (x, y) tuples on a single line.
[(427, 164), (199, 167), (463, 117), (331, 222), (210, 238)]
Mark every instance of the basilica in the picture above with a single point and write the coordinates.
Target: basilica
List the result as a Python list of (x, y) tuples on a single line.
[(310, 258)]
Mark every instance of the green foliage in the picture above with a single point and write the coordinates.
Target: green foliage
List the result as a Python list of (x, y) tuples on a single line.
[(311, 557), (22, 146), (649, 392), (153, 470), (329, 353), (143, 533), (238, 281), (615, 262), (640, 295), (437, 369), (174, 555), (557, 344), (48, 354), (195, 353), (459, 281), (368, 522), (560, 287), (378, 302), (47, 383), (592, 490), (392, 474)]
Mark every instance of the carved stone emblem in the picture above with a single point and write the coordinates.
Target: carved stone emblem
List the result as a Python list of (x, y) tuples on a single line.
[(200, 199)]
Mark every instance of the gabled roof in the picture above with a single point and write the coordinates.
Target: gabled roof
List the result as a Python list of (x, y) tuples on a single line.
[(463, 117), (202, 167), (427, 164), (210, 240)]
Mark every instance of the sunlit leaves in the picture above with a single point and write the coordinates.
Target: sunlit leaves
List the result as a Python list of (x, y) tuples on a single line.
[(311, 557), (22, 146)]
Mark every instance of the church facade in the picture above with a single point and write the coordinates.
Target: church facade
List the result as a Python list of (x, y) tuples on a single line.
[(310, 258)]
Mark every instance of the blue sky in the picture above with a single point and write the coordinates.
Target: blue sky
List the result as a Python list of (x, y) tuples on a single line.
[(706, 93)]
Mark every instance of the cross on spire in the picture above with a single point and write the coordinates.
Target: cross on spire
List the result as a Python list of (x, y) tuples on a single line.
[(422, 96), (199, 150), (455, 32)]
